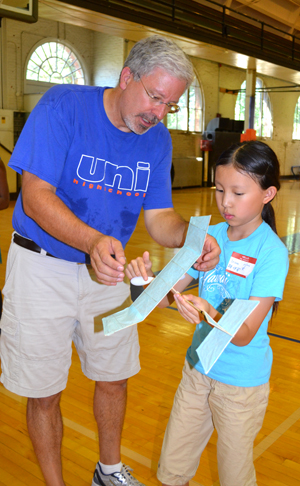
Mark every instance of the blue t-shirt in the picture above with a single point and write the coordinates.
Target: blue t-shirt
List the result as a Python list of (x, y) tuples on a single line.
[(104, 175), (242, 365)]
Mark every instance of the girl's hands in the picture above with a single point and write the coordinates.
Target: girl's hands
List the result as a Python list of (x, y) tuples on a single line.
[(187, 311), (140, 266)]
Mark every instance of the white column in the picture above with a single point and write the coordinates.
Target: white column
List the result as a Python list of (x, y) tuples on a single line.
[(250, 94)]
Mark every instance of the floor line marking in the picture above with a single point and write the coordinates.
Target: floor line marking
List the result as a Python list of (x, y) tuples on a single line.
[(276, 434), (284, 337), (273, 436), (152, 465)]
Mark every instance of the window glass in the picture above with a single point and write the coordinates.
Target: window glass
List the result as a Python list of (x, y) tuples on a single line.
[(53, 62), (296, 128), (190, 116), (263, 123)]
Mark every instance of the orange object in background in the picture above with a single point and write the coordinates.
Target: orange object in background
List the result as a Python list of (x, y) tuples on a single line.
[(250, 134), (206, 145)]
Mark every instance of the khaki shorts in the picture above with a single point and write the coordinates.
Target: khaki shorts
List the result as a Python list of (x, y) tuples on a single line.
[(48, 303), (200, 405)]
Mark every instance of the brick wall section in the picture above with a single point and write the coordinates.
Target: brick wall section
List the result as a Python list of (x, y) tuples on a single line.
[(108, 59)]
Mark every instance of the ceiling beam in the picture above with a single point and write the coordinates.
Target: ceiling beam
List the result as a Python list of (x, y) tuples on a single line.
[(211, 25)]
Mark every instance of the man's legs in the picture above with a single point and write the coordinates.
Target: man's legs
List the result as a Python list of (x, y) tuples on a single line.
[(37, 325), (109, 361), (45, 429), (109, 409)]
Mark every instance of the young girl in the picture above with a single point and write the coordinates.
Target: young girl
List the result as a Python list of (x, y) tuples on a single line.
[(233, 396)]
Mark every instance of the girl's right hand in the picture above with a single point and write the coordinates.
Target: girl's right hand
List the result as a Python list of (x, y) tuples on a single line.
[(189, 312), (140, 266)]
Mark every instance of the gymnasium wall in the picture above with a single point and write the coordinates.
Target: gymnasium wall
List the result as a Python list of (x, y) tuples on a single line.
[(20, 38), (102, 58)]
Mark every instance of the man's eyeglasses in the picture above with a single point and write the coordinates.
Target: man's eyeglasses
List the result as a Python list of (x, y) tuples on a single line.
[(173, 108)]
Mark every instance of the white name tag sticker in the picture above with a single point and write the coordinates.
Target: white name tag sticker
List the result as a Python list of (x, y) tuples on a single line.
[(241, 265)]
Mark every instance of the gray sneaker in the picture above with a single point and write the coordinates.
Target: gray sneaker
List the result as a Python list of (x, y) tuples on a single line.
[(123, 478)]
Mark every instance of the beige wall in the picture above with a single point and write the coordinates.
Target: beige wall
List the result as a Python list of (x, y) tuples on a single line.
[(19, 38), (108, 59), (102, 56)]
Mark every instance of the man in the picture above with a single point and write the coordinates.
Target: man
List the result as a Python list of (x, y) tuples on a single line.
[(87, 174)]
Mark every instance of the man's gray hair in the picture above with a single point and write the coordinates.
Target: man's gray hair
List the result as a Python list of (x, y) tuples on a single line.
[(159, 52)]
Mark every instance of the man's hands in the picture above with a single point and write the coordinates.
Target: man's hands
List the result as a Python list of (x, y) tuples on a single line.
[(169, 229), (107, 259), (210, 255), (110, 270), (41, 203)]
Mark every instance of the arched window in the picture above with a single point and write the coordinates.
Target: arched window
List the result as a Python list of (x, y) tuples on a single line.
[(55, 63), (263, 123), (296, 128), (190, 116)]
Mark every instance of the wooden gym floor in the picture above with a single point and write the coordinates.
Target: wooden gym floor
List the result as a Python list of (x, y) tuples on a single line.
[(164, 338)]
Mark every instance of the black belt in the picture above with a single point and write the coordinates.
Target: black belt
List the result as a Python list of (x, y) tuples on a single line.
[(28, 244)]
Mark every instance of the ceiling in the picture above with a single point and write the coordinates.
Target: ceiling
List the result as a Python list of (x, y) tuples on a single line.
[(282, 14)]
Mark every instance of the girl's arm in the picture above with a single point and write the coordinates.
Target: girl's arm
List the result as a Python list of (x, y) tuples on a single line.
[(141, 267), (247, 330), (250, 327)]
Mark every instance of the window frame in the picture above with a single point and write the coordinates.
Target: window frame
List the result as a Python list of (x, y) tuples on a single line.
[(296, 136), (264, 101), (40, 87), (185, 108)]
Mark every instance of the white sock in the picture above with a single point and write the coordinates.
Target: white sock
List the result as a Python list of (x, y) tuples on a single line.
[(110, 469)]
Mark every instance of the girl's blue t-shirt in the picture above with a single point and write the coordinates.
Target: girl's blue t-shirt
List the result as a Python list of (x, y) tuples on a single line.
[(242, 365), (104, 175)]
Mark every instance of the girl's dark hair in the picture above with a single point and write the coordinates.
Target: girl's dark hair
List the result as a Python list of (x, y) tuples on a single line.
[(260, 162)]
